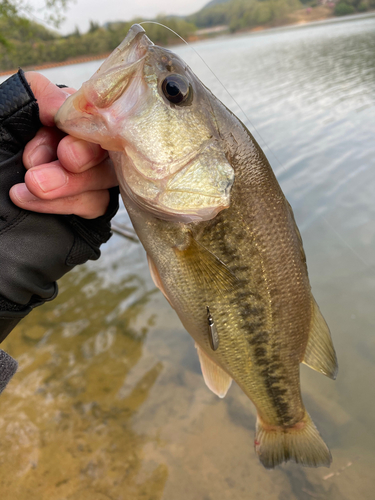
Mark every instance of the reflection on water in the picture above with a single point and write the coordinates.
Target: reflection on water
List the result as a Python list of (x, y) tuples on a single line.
[(109, 401)]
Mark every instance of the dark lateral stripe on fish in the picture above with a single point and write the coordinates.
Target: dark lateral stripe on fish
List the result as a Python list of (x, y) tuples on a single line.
[(259, 341), (272, 381)]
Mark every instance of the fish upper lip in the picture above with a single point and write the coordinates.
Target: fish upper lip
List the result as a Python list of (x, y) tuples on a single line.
[(131, 50)]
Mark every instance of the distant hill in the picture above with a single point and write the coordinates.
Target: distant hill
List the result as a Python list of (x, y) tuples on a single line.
[(214, 2)]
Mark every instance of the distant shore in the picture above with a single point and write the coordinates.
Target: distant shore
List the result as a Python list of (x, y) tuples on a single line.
[(77, 60), (302, 17)]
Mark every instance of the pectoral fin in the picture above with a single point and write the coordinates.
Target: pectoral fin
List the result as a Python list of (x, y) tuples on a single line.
[(215, 377), (320, 354), (206, 268)]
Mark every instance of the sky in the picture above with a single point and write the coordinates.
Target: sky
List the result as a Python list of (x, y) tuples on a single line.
[(80, 12)]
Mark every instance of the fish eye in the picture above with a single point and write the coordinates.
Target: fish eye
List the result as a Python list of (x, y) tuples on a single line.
[(176, 88)]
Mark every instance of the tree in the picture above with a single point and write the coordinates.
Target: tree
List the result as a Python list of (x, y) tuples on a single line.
[(15, 10), (94, 26)]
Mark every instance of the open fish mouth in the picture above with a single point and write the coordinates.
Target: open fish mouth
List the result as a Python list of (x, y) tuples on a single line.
[(85, 113), (132, 48), (115, 74)]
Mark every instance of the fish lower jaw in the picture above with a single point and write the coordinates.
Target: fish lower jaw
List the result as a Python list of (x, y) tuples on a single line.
[(171, 214), (154, 196)]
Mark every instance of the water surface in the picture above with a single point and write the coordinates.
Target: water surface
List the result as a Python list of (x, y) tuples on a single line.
[(109, 402)]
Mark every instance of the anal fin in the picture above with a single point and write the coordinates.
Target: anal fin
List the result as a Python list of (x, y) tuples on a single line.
[(215, 377), (320, 354)]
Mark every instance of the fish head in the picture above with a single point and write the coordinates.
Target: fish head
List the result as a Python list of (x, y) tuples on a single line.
[(93, 112), (149, 109)]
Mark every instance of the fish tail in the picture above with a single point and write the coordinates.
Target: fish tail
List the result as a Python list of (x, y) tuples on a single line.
[(300, 443)]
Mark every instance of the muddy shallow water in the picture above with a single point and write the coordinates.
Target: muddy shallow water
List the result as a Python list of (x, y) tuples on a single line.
[(109, 401)]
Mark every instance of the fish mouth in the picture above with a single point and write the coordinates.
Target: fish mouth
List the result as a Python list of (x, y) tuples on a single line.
[(87, 113), (131, 49), (119, 70)]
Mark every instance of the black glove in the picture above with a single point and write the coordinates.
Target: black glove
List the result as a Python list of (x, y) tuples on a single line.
[(35, 249), (8, 367)]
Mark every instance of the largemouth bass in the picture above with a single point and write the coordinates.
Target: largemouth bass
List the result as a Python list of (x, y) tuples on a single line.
[(221, 238)]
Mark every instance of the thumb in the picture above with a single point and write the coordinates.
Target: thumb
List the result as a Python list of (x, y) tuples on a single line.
[(48, 95)]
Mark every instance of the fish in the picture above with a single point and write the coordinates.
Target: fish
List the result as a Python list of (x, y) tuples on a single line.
[(221, 239)]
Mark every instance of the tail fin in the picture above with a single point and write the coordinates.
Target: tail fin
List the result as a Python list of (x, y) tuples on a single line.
[(301, 443)]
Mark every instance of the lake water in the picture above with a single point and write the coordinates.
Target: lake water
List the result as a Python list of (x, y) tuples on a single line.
[(109, 401)]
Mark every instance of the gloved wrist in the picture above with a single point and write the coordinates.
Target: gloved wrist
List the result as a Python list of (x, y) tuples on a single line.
[(19, 115), (8, 367)]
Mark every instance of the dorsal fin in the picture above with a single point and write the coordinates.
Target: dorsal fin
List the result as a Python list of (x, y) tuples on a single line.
[(320, 354), (215, 377)]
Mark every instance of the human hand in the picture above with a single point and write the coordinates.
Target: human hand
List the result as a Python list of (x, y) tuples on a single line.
[(37, 248), (64, 175)]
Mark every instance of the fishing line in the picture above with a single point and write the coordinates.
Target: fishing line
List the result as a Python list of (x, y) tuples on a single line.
[(369, 266)]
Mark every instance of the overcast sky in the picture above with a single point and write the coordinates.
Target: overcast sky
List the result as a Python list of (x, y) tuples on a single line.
[(80, 12)]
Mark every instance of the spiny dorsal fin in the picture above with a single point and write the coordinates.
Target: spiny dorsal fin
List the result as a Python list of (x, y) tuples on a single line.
[(206, 268), (320, 354), (215, 377)]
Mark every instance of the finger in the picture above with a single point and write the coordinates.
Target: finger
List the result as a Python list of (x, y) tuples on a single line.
[(43, 148), (52, 181), (89, 205), (77, 155), (49, 96)]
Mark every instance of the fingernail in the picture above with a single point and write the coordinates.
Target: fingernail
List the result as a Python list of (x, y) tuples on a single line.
[(66, 94), (81, 152), (49, 178), (22, 193), (41, 154)]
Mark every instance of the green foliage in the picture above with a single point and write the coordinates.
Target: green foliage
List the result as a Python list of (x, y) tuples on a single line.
[(52, 11), (161, 36), (242, 14), (32, 44), (343, 9), (7, 8), (93, 26), (247, 14), (12, 14), (21, 29), (215, 2), (214, 15), (363, 6)]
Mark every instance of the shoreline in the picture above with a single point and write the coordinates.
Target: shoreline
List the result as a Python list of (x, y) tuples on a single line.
[(67, 62), (296, 21)]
